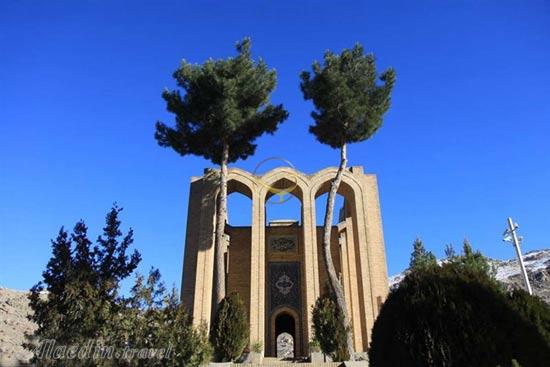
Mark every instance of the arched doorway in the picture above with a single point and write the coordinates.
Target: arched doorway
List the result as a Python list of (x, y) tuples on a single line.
[(285, 335)]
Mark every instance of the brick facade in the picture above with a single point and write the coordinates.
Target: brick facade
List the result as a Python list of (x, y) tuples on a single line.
[(266, 264)]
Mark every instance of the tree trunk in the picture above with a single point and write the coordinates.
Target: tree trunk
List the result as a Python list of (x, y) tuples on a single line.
[(221, 217), (334, 282)]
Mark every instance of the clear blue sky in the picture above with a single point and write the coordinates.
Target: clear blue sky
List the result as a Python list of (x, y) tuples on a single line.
[(464, 145)]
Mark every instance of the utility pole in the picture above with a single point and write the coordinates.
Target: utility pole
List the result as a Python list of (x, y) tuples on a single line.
[(510, 235)]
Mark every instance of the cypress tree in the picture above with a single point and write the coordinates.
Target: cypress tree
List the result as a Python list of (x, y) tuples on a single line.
[(230, 329), (328, 327)]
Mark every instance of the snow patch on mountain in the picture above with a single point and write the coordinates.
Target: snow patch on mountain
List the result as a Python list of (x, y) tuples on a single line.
[(508, 272)]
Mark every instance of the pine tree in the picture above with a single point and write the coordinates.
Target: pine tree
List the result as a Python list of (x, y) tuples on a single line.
[(420, 258), (224, 110), (349, 106)]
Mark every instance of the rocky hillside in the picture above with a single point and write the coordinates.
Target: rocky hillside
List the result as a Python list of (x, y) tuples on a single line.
[(538, 270), (508, 272), (14, 308)]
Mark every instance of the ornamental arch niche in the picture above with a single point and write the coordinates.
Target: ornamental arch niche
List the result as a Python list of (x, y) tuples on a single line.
[(284, 260)]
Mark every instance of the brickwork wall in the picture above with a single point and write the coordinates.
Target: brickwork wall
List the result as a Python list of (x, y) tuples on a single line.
[(238, 278), (360, 260), (335, 252)]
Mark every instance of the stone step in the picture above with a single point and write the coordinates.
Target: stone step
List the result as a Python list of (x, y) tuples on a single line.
[(274, 360)]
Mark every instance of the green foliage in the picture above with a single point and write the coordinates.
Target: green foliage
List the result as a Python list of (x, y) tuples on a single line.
[(140, 324), (349, 107), (160, 320), (225, 102), (224, 108), (81, 282), (450, 252), (328, 327), (471, 259), (453, 315), (57, 277), (230, 330), (533, 309), (314, 346), (191, 347), (420, 258), (112, 263), (349, 103), (83, 305), (257, 347), (153, 318)]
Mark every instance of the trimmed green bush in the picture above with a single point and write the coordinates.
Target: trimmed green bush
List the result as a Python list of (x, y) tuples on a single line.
[(454, 316)]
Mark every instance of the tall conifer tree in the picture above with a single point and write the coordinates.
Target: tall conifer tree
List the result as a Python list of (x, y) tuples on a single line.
[(224, 109), (82, 283), (349, 106)]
